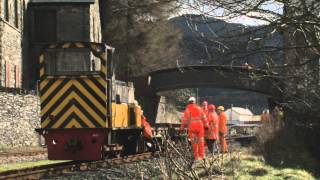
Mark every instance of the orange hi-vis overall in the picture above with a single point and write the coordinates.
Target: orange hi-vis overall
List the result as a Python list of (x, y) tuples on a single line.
[(205, 108), (213, 123), (223, 130), (147, 130), (196, 120)]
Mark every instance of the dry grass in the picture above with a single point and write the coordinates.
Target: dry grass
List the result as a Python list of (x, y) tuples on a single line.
[(249, 166), (13, 166), (284, 147), (239, 163)]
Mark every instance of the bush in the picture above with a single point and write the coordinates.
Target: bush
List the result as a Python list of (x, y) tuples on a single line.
[(284, 147)]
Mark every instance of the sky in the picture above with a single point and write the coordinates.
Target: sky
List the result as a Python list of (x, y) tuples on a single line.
[(245, 20)]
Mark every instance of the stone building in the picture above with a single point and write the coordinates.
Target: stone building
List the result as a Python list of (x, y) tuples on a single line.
[(11, 37), (25, 25)]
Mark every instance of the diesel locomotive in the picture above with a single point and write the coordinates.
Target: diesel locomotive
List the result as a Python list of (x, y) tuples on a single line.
[(85, 113)]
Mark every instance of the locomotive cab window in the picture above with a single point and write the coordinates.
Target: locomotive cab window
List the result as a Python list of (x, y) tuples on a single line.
[(71, 62)]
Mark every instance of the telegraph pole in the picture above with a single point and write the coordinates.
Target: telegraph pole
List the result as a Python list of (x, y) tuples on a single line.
[(197, 96)]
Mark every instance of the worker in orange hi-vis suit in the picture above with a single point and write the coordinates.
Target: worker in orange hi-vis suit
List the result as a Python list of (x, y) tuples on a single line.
[(147, 133), (147, 130), (205, 107), (196, 121), (223, 129), (212, 133)]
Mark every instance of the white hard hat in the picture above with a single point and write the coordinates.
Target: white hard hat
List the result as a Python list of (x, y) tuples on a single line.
[(221, 108), (192, 99)]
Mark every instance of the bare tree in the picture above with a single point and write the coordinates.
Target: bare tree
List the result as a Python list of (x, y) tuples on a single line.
[(176, 161), (141, 34), (295, 56)]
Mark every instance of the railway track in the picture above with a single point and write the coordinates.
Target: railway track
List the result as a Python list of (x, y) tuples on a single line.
[(67, 167)]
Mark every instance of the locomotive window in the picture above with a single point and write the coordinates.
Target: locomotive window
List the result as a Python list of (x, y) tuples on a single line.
[(71, 62)]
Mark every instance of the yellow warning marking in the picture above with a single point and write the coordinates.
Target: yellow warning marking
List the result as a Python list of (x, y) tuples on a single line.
[(102, 81), (55, 98), (73, 123), (53, 46), (66, 45), (95, 88), (45, 123), (64, 117), (103, 68), (41, 72), (89, 96), (93, 46), (43, 84), (103, 56), (41, 58), (51, 88), (75, 96), (79, 45)]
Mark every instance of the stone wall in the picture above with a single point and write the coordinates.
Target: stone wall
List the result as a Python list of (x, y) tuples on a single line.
[(167, 113), (19, 116)]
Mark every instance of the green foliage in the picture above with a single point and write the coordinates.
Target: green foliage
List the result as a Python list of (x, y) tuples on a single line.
[(13, 166)]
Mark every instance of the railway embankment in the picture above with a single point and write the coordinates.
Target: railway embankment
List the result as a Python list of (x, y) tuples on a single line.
[(19, 116)]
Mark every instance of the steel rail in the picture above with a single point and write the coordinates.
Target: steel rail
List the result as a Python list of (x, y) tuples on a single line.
[(71, 166)]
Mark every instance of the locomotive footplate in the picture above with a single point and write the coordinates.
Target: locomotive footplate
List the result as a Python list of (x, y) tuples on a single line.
[(76, 144)]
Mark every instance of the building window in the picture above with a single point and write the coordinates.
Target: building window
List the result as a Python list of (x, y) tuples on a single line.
[(6, 10), (16, 14), (7, 82), (17, 76)]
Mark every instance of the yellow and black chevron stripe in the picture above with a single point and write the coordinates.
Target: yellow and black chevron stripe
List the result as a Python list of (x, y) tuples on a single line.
[(77, 102)]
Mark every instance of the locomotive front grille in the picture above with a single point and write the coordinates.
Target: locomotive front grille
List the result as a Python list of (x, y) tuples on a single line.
[(76, 100)]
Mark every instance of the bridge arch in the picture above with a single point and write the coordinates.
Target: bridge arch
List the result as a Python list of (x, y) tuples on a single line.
[(255, 80)]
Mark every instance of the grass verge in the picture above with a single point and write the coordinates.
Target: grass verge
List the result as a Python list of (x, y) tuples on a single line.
[(14, 166), (245, 166)]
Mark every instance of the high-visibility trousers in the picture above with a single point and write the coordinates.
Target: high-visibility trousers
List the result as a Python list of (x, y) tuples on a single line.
[(223, 144), (196, 135)]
